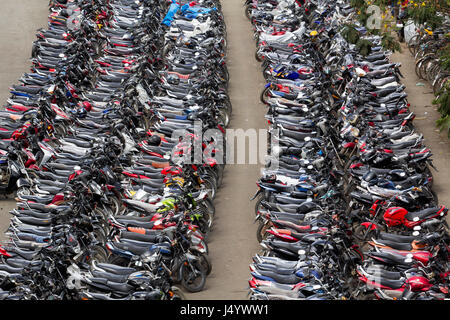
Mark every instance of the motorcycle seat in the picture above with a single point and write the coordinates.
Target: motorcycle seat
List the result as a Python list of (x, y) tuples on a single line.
[(140, 224), (288, 200), (278, 262), (274, 268), (390, 258), (50, 189), (10, 269), (394, 245), (290, 246), (25, 254), (139, 237), (35, 221), (283, 279), (112, 268), (105, 284), (119, 278), (134, 218), (389, 283), (133, 248), (289, 208), (396, 237), (422, 214)]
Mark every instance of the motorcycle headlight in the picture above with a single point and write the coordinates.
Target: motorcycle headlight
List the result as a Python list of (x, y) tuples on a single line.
[(77, 249)]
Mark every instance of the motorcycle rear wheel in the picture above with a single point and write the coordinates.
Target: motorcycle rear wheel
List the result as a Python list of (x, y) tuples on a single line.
[(98, 254)]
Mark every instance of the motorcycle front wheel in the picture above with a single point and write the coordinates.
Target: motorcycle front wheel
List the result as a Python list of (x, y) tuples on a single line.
[(192, 278)]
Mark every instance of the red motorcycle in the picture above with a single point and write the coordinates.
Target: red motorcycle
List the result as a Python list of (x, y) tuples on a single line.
[(400, 217), (392, 288)]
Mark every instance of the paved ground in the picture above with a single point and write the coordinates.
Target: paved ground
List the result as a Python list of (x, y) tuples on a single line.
[(420, 98), (19, 21), (233, 242)]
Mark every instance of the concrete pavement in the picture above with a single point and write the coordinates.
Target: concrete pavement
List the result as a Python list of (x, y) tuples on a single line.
[(19, 21), (420, 98), (232, 242)]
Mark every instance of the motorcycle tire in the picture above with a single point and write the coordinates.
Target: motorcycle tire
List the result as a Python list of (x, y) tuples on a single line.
[(205, 263), (98, 254), (261, 231), (23, 192), (258, 203), (118, 260), (177, 294), (208, 206), (192, 280)]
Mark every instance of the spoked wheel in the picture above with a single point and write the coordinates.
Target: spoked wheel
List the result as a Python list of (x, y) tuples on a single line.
[(439, 82), (208, 206), (224, 118), (248, 12), (211, 189), (264, 95), (258, 205), (412, 43), (176, 294), (363, 234), (192, 278), (60, 130), (98, 254), (205, 263), (23, 192), (100, 236), (116, 205), (118, 260), (261, 231)]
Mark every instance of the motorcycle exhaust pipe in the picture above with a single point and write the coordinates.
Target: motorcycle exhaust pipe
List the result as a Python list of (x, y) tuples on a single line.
[(431, 222)]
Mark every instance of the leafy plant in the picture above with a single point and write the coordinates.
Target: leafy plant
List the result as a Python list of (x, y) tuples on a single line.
[(443, 123), (364, 46), (443, 100), (390, 43), (350, 34), (422, 14), (445, 57)]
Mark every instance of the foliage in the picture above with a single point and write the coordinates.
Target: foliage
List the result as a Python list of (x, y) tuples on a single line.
[(390, 43), (424, 13), (350, 34), (443, 123), (443, 100), (445, 57), (364, 46)]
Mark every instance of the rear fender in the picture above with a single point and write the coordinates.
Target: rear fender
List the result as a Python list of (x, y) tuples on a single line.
[(23, 183)]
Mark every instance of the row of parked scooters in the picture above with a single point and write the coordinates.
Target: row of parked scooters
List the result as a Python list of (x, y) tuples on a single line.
[(345, 205), (108, 207)]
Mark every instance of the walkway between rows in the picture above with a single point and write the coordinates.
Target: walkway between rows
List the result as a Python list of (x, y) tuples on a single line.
[(232, 242), (420, 96)]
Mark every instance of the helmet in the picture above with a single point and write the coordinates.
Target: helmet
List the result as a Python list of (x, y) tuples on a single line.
[(173, 79), (64, 13), (82, 113), (154, 140), (313, 33), (115, 145), (87, 105)]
